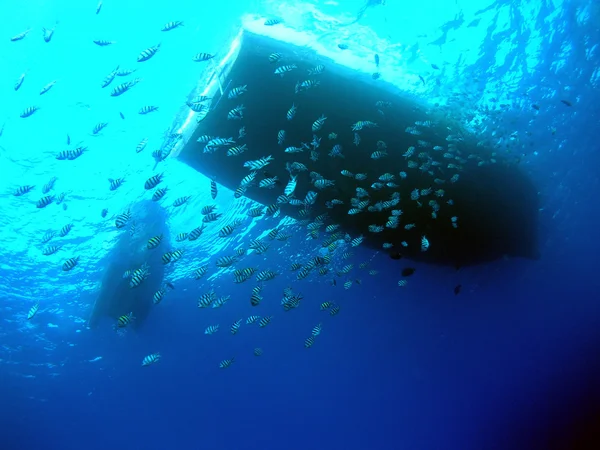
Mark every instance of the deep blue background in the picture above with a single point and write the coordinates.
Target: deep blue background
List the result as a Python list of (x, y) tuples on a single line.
[(506, 360)]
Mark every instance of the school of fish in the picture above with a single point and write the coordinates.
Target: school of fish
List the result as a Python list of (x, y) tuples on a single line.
[(332, 262)]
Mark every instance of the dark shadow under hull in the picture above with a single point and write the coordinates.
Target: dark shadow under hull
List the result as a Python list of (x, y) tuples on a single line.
[(116, 297)]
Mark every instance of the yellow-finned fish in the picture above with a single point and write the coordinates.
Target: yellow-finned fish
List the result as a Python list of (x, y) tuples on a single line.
[(154, 242), (125, 320), (325, 305)]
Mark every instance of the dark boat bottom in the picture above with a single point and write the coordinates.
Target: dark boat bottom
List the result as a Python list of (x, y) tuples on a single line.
[(494, 203)]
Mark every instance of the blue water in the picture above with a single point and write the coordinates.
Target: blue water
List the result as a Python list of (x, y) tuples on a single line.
[(510, 359)]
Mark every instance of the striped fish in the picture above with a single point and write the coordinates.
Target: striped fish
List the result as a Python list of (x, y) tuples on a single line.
[(32, 311), (211, 329), (109, 78), (176, 255), (256, 298), (138, 276), (266, 275), (153, 181), (207, 209), (200, 272), (221, 301), (317, 330), (291, 186), (142, 145), (125, 72), (212, 217), (29, 111), (44, 201), (103, 42), (47, 237), (248, 180), (281, 70), (199, 107), (274, 57), (316, 70), (258, 246), (291, 112), (122, 219), (225, 261), (22, 190), (70, 263), (145, 55), (237, 91), (115, 183), (60, 199), (241, 275), (195, 233), (281, 137), (65, 230), (265, 321), (235, 326), (159, 193), (318, 124), (271, 22), (51, 250), (154, 242), (240, 191), (200, 57), (213, 189), (99, 127), (158, 296), (306, 84), (272, 210), (255, 212), (229, 229), (226, 363), (147, 109), (308, 343), (125, 320), (172, 25), (181, 201), (206, 300), (259, 163), (124, 87), (238, 150), (150, 359)]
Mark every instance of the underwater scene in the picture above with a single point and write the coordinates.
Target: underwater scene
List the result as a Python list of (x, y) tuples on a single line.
[(358, 224)]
